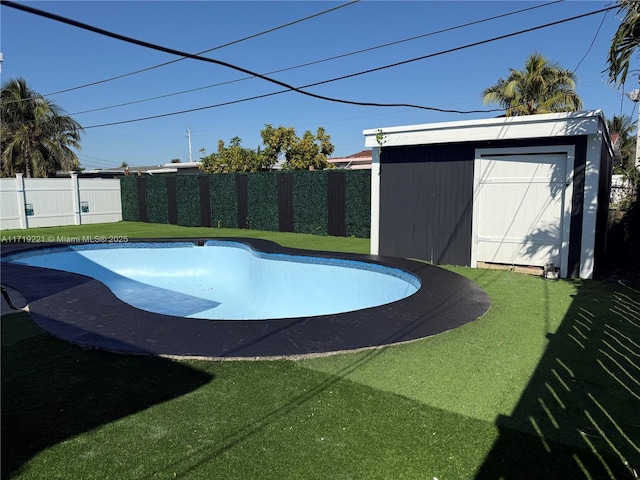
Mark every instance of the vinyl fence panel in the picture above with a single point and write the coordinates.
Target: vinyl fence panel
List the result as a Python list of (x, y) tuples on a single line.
[(12, 203), (100, 200), (49, 202)]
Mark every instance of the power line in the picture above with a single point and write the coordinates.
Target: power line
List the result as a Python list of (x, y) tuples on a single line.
[(100, 162), (204, 51), (469, 45), (179, 53), (283, 84), (362, 73), (592, 41), (444, 30), (315, 62)]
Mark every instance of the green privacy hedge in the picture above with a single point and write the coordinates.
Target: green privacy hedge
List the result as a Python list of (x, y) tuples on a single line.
[(262, 199), (129, 199), (188, 200), (358, 203), (310, 202), (309, 195), (157, 199), (224, 203)]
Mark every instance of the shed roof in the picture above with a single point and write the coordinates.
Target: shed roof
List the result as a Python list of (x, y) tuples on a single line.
[(501, 128)]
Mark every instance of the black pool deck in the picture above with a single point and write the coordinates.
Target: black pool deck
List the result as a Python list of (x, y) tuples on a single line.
[(83, 311)]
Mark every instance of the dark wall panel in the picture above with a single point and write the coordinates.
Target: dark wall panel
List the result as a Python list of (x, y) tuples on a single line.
[(285, 202), (426, 203), (142, 199), (242, 197), (577, 206), (336, 194), (602, 226), (172, 200), (205, 200)]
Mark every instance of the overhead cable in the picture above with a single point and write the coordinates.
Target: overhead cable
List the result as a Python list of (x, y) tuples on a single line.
[(283, 84), (315, 62), (179, 53), (91, 84), (593, 41), (469, 45)]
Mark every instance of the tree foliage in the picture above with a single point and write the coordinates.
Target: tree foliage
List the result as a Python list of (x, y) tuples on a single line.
[(624, 42), (625, 127), (540, 87), (234, 159), (280, 144), (36, 137), (307, 153), (277, 141)]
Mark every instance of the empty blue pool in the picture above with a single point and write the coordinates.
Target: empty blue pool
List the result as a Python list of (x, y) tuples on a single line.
[(227, 280)]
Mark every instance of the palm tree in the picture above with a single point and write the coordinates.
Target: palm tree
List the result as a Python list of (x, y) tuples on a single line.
[(541, 87), (624, 126), (625, 41), (36, 138)]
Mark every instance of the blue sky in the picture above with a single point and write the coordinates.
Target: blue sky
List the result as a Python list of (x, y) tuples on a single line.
[(53, 56)]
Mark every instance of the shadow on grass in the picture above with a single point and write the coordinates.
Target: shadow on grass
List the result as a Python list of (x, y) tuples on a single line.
[(53, 391), (579, 416)]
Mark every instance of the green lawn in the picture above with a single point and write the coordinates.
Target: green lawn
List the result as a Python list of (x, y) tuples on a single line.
[(131, 230), (546, 385)]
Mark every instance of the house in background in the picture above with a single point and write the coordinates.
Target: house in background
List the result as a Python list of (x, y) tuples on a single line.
[(518, 191), (357, 161), (178, 168)]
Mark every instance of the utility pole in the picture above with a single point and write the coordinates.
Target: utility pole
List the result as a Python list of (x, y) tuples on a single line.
[(189, 137)]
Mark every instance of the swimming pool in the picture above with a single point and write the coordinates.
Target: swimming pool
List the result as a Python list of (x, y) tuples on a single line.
[(227, 280), (80, 309)]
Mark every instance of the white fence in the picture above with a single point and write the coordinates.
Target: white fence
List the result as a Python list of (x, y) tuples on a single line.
[(49, 202), (621, 189)]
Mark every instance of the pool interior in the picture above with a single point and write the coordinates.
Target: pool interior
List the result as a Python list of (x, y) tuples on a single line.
[(223, 280)]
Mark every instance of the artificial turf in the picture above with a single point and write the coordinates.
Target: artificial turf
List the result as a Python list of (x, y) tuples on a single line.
[(545, 385), (123, 231)]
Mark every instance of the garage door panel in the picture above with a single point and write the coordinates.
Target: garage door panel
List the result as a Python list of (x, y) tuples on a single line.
[(525, 167), (518, 253), (517, 212), (520, 208)]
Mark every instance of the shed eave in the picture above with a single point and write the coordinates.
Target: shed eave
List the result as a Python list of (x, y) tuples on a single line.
[(503, 128)]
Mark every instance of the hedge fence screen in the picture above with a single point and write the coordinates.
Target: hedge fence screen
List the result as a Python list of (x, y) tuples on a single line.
[(327, 202)]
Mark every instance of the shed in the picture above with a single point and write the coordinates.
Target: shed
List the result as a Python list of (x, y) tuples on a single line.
[(528, 190)]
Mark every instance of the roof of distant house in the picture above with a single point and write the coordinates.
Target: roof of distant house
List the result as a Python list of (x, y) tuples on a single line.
[(362, 154), (360, 160)]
